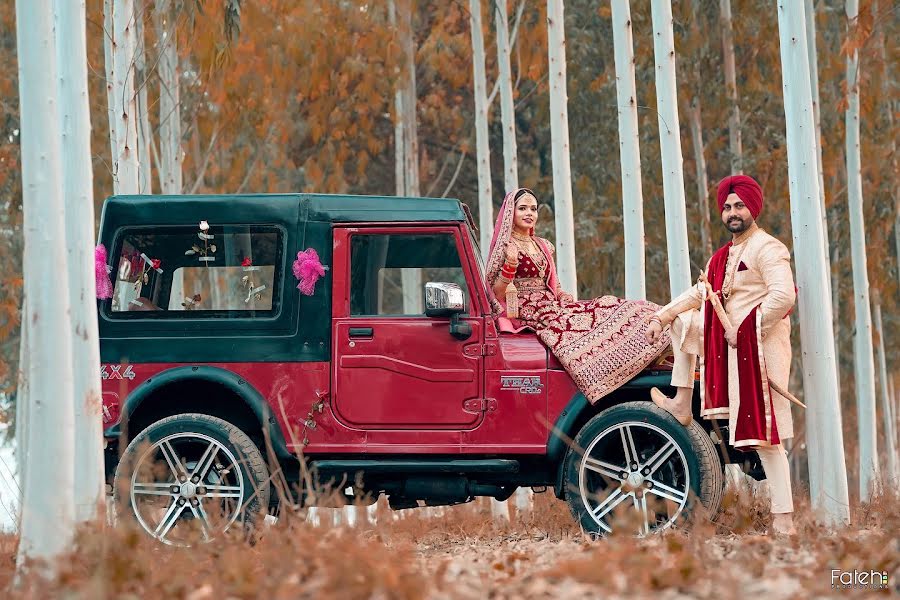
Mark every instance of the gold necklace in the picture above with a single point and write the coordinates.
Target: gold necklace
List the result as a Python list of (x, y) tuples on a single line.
[(520, 236), (533, 252)]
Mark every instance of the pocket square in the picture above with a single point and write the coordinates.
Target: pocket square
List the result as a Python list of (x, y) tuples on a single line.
[(742, 266)]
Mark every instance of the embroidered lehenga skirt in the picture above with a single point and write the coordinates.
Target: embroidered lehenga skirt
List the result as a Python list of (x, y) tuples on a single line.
[(600, 342)]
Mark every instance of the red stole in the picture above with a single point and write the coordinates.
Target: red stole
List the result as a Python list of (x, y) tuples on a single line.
[(755, 415)]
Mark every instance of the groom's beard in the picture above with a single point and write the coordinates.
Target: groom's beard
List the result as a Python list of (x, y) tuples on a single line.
[(737, 225)]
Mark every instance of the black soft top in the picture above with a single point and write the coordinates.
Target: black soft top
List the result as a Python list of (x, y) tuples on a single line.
[(121, 211)]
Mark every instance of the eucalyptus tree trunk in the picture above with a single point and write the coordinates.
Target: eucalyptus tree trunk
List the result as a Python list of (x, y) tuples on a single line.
[(507, 106), (695, 121), (892, 476), (696, 126), (629, 151), (47, 515), (670, 146), (823, 417), (482, 147), (125, 153), (170, 153), (734, 118), (810, 12), (524, 496), (559, 143), (78, 196), (864, 361), (406, 140), (110, 70), (144, 133)]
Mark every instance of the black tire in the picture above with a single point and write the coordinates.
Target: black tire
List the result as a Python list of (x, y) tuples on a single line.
[(660, 493), (198, 474)]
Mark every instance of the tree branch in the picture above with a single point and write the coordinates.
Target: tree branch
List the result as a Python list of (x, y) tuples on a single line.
[(202, 171)]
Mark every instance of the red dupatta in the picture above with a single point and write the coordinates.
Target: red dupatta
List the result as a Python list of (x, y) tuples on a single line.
[(755, 423)]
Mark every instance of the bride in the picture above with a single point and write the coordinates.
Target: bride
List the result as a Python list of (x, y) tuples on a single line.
[(600, 342)]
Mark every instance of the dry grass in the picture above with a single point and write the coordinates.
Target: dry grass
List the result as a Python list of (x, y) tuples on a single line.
[(463, 554)]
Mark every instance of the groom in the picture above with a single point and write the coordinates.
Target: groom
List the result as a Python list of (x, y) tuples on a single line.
[(752, 277)]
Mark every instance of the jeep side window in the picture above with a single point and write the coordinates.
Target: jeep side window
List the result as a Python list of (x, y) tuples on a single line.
[(382, 264), (167, 271)]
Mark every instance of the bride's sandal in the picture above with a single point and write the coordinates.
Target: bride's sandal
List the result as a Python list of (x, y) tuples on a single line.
[(667, 404)]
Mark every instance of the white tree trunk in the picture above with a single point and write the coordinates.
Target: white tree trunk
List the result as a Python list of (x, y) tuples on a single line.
[(810, 12), (170, 153), (144, 133), (696, 124), (125, 156), (47, 511), (524, 496), (864, 361), (670, 146), (559, 142), (78, 194), (109, 64), (482, 147), (823, 417), (629, 151), (507, 106), (892, 475), (734, 118), (411, 279)]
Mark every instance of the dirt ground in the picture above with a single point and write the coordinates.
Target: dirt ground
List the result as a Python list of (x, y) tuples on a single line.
[(460, 553)]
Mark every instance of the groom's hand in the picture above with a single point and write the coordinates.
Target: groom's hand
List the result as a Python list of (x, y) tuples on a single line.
[(653, 331), (731, 337)]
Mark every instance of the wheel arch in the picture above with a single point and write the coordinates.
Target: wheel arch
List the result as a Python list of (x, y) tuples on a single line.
[(579, 411), (202, 389)]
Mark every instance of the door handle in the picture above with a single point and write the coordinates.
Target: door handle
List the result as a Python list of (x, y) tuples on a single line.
[(361, 332)]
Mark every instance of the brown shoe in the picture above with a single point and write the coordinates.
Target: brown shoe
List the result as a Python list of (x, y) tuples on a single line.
[(666, 403)]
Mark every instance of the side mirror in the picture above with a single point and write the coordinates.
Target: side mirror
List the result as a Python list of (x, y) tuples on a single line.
[(444, 299), (448, 299)]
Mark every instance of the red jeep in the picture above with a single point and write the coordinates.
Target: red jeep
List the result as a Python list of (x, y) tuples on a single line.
[(390, 378)]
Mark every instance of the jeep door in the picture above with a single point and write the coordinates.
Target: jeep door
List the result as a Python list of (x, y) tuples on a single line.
[(395, 368)]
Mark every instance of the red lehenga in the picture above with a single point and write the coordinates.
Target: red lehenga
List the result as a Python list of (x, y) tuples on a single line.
[(600, 342)]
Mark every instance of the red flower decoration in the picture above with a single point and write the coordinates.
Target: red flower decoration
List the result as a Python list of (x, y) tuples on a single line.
[(246, 262), (155, 263)]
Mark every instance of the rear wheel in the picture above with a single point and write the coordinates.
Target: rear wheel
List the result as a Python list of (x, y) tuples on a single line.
[(191, 477), (634, 467)]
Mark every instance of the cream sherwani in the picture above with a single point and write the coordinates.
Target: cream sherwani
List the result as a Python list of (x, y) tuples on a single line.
[(767, 282)]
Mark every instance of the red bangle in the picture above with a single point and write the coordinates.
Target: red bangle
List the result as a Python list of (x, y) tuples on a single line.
[(508, 274)]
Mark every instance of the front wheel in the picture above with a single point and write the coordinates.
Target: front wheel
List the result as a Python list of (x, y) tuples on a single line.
[(189, 477), (634, 467)]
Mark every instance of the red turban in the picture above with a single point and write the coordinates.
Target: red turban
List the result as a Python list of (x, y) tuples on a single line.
[(747, 190)]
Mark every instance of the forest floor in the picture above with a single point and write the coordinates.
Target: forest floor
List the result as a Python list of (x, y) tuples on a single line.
[(461, 553)]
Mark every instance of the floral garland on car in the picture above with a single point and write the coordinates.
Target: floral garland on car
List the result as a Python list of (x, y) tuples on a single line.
[(308, 269)]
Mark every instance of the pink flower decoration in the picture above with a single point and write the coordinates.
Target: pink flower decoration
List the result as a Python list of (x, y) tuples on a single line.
[(307, 270), (246, 262), (155, 263), (101, 274)]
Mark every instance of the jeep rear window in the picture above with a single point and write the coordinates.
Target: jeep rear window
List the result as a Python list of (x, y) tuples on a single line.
[(175, 272), (383, 266)]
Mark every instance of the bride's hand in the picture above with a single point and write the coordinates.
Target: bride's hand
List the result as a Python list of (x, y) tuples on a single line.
[(512, 253)]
